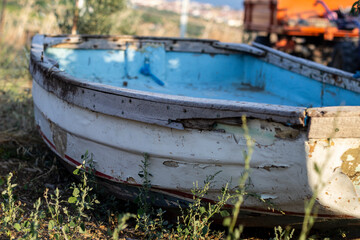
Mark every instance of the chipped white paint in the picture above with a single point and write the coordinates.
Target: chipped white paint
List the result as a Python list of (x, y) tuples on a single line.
[(338, 183), (178, 158)]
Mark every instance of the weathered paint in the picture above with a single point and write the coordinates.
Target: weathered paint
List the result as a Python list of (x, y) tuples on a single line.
[(178, 158), (59, 139), (189, 138)]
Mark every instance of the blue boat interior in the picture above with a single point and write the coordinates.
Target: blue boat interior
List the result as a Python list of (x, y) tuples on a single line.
[(237, 77)]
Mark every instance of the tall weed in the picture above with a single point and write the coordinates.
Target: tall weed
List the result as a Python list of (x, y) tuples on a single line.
[(195, 220), (230, 222), (149, 220)]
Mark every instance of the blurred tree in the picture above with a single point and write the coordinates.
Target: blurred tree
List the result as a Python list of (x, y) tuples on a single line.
[(2, 17), (76, 17), (195, 29), (86, 16), (64, 12)]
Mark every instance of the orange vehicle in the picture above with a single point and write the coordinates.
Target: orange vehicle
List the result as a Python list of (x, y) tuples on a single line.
[(321, 30)]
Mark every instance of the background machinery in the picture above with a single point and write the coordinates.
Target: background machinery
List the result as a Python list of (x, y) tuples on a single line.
[(320, 30)]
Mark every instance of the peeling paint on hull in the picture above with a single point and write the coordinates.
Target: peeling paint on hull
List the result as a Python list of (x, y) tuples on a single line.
[(189, 139), (177, 160)]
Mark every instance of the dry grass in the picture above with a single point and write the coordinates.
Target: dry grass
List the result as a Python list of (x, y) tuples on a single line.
[(22, 23), (167, 24)]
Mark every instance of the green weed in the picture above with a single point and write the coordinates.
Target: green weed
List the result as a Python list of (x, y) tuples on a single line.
[(81, 201), (123, 219), (195, 220), (230, 222), (12, 221), (149, 220), (281, 234), (11, 209)]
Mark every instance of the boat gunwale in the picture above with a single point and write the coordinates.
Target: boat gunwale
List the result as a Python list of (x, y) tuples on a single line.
[(310, 69)]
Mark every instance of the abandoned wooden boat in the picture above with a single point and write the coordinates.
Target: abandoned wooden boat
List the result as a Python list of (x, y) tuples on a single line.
[(181, 102)]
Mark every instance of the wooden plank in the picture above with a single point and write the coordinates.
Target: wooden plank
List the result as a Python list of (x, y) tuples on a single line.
[(334, 127), (340, 111), (258, 27), (120, 43), (240, 48), (334, 122), (261, 20)]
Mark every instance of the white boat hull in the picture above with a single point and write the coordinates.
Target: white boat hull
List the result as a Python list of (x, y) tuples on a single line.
[(179, 158), (184, 151)]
